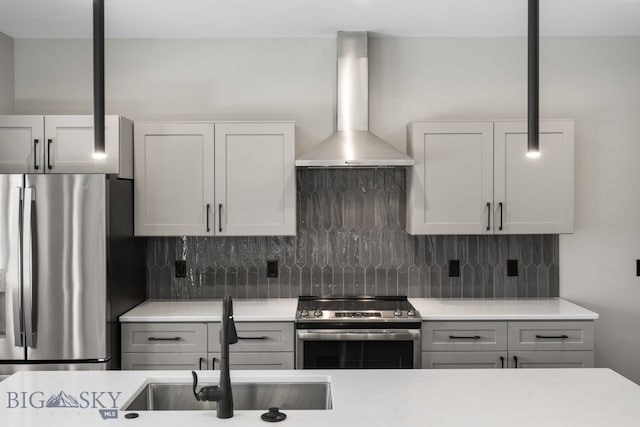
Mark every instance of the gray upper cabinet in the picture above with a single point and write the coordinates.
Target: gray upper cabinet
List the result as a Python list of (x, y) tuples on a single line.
[(475, 178), (174, 179), (215, 179), (64, 144)]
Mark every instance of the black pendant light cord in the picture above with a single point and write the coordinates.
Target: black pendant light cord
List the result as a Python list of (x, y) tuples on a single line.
[(98, 77), (533, 114)]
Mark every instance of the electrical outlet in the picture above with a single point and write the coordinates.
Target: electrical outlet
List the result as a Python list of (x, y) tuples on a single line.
[(512, 267), (272, 268), (454, 268), (181, 268)]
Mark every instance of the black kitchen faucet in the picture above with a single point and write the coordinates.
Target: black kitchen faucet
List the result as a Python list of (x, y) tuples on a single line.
[(221, 393)]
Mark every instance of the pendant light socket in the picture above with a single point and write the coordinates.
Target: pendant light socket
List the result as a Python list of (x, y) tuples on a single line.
[(98, 79), (533, 114)]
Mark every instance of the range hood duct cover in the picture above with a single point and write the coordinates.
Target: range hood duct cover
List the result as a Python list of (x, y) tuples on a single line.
[(353, 145)]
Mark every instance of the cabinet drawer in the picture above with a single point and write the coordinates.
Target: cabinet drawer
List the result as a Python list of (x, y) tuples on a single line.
[(255, 337), (551, 335), (164, 337), (551, 359), (164, 361), (246, 361), (464, 359), (464, 336)]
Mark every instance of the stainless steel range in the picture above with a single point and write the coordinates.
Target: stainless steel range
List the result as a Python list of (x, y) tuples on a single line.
[(357, 332)]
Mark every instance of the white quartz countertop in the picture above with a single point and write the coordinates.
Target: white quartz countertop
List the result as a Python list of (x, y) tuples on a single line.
[(508, 309), (443, 398), (265, 310), (284, 310)]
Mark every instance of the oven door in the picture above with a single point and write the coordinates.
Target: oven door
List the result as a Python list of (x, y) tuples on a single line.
[(357, 349)]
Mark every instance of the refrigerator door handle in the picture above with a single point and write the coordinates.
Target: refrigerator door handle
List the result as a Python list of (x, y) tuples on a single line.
[(17, 286), (27, 269)]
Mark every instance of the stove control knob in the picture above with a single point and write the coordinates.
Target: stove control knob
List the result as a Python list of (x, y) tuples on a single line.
[(304, 313), (411, 313), (317, 313), (397, 313)]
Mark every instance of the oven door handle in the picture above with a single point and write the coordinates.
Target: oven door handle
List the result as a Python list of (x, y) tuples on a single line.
[(360, 335)]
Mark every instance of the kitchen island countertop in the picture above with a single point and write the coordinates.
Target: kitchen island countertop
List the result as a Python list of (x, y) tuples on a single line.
[(496, 398), (284, 310)]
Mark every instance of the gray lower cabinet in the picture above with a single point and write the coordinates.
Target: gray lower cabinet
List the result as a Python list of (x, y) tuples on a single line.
[(164, 361), (264, 361), (463, 359), (501, 344), (160, 346)]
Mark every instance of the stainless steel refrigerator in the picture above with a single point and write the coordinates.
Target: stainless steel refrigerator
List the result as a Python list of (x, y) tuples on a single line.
[(69, 266)]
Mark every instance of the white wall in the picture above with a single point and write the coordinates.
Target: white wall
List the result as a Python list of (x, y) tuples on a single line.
[(594, 80), (6, 74)]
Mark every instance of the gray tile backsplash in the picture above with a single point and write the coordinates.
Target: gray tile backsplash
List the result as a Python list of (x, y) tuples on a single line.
[(351, 241)]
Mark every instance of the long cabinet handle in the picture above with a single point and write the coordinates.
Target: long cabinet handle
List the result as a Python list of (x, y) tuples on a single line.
[(502, 361), (220, 217), (49, 142), (458, 337), (254, 338), (488, 216), (208, 215), (552, 337), (515, 362), (164, 338), (35, 154), (500, 205)]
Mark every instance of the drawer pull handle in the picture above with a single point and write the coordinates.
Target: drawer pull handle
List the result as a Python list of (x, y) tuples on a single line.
[(552, 337), (164, 338), (254, 338), (213, 363), (200, 360), (456, 337)]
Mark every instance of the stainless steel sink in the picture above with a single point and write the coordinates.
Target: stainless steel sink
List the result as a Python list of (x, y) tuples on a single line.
[(250, 396)]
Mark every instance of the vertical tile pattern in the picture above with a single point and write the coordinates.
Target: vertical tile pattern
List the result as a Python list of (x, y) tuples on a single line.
[(351, 241)]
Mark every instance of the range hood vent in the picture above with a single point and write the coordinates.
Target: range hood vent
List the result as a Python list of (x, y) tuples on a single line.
[(353, 145)]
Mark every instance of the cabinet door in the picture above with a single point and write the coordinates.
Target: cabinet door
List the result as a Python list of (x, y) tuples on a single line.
[(464, 360), (21, 144), (551, 359), (69, 145), (451, 184), (534, 195), (246, 361), (164, 361), (174, 179), (255, 179)]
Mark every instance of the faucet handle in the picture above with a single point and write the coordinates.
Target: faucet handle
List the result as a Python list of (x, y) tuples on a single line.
[(211, 393), (233, 334)]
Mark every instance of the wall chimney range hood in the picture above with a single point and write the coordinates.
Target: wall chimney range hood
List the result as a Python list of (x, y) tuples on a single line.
[(353, 145)]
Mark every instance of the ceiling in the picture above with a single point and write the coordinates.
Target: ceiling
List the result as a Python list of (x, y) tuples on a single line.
[(316, 18)]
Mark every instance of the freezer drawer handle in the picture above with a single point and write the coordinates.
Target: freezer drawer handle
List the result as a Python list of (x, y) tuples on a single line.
[(220, 217), (35, 154), (456, 337), (164, 338), (552, 337), (500, 204), (264, 337)]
